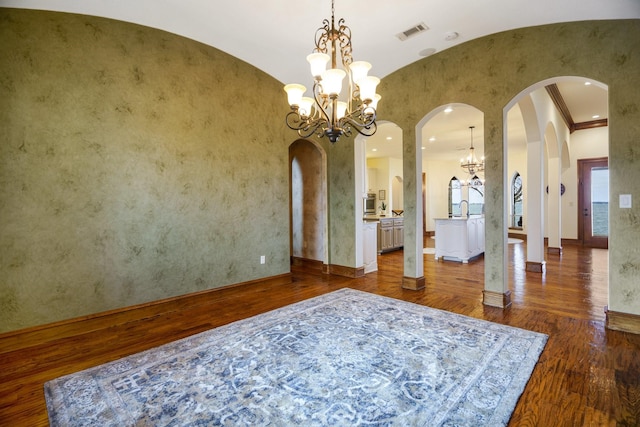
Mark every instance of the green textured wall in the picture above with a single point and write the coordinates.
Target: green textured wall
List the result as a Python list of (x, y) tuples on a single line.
[(128, 169), (488, 73), (128, 172)]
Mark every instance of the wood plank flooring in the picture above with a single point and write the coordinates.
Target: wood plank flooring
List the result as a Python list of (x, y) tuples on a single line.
[(586, 376)]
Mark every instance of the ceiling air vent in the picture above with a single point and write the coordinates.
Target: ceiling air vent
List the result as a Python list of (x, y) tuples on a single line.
[(416, 29)]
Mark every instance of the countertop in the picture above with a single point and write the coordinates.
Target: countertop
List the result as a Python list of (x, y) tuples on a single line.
[(379, 217), (459, 218)]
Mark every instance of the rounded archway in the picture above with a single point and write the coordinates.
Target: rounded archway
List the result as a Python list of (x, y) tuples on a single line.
[(444, 138), (546, 137), (308, 201)]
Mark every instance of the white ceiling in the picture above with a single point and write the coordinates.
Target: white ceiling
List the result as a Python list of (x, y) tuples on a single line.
[(276, 35)]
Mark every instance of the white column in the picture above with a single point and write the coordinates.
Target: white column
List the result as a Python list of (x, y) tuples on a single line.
[(535, 205), (554, 227), (359, 178)]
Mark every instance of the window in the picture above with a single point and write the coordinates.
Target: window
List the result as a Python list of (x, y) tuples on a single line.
[(516, 201), (476, 196), (474, 199), (455, 197)]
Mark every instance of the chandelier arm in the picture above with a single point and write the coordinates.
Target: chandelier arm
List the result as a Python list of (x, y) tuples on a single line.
[(367, 129), (314, 127), (320, 102), (359, 118), (322, 38), (346, 49), (304, 127), (295, 121)]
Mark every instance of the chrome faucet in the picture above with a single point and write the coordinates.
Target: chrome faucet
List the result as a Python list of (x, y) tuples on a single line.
[(460, 206)]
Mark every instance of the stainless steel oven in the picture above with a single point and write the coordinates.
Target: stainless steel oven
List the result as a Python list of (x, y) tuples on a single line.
[(370, 204)]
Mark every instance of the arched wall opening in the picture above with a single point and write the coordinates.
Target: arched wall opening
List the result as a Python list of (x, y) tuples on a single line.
[(549, 165), (444, 136), (308, 202), (378, 172)]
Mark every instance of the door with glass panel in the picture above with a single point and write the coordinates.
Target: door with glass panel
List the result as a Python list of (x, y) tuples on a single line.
[(593, 202)]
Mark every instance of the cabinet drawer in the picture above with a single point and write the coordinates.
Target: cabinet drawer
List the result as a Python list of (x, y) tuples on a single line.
[(386, 223), (398, 222)]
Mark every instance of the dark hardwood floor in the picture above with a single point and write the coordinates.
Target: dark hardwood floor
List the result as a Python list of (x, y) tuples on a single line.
[(586, 376)]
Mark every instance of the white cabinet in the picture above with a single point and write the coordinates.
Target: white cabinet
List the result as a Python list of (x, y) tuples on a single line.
[(390, 234), (370, 238), (398, 232), (459, 239)]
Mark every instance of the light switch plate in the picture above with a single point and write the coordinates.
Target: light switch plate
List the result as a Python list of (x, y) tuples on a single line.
[(625, 201)]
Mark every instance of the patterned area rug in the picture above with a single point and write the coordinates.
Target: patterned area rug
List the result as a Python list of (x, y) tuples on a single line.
[(347, 358)]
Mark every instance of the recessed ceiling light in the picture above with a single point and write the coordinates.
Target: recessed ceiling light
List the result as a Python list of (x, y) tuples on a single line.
[(432, 139), (388, 138), (448, 110), (422, 148), (587, 83), (451, 35), (375, 149), (427, 52), (595, 116)]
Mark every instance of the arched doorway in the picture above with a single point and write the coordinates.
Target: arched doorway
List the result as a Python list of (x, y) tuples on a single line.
[(444, 137), (546, 137), (378, 175), (308, 205)]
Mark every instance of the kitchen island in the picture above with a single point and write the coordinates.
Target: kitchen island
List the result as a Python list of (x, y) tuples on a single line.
[(459, 239)]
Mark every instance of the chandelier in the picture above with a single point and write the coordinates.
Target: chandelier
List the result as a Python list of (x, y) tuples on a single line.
[(473, 182), (325, 113), (471, 163)]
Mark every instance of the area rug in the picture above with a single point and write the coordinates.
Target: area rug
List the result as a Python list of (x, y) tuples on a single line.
[(347, 358), (429, 250)]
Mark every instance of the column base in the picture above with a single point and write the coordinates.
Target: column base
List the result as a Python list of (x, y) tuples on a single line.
[(341, 270), (624, 322), (496, 299), (413, 283), (554, 251), (536, 267)]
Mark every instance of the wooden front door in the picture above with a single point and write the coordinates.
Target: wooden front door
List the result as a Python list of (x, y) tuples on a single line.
[(593, 202)]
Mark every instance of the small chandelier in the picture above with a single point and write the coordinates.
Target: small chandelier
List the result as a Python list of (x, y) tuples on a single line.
[(471, 163), (325, 113), (473, 182)]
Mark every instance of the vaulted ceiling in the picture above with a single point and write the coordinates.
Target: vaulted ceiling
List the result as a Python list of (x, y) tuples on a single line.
[(276, 35)]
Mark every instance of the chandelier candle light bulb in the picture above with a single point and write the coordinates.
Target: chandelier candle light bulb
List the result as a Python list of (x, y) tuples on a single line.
[(294, 93), (368, 86), (305, 106), (371, 108), (324, 113), (332, 81), (318, 64), (359, 70)]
